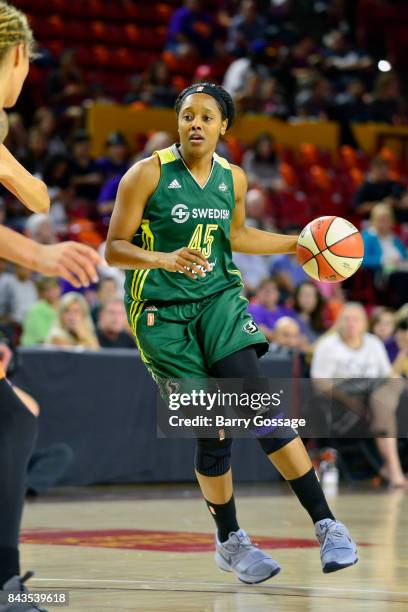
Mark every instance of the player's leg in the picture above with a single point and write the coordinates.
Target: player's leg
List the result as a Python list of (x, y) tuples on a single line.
[(289, 456), (18, 429), (234, 550)]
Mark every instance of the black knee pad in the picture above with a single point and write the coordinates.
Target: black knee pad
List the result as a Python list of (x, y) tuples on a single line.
[(271, 445), (213, 457)]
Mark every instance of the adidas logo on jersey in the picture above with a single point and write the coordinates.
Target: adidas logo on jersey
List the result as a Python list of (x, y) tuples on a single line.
[(174, 185), (223, 187)]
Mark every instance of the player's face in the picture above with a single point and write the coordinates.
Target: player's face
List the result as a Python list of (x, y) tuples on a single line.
[(17, 67), (200, 124)]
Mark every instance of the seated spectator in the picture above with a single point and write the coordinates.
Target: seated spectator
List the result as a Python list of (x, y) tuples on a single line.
[(287, 335), (158, 140), (383, 250), (379, 187), (254, 268), (271, 99), (255, 62), (158, 88), (74, 326), (107, 291), (383, 326), (17, 293), (43, 313), (86, 175), (262, 164), (309, 305), (352, 104), (16, 139), (112, 324), (343, 61), (316, 102), (387, 106), (107, 197), (191, 31), (246, 27), (44, 119), (58, 174), (350, 352), (286, 268), (247, 99), (40, 228), (265, 309), (386, 256), (400, 363), (66, 85), (37, 152), (116, 161)]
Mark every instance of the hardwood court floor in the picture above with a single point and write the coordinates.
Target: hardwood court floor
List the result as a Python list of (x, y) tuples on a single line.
[(101, 545)]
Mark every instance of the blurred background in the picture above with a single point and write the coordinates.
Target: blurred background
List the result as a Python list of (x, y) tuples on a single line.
[(321, 92)]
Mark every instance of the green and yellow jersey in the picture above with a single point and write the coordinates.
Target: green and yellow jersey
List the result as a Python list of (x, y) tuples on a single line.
[(183, 213)]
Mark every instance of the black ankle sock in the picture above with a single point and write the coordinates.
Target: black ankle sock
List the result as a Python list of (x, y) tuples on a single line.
[(310, 494), (225, 518), (9, 564)]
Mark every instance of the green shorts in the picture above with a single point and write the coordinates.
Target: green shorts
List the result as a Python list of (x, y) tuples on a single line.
[(184, 340)]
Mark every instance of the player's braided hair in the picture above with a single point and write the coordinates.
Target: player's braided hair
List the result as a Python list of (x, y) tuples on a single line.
[(14, 30), (221, 96)]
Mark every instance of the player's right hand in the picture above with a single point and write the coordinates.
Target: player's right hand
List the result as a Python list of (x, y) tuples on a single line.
[(73, 261), (187, 261)]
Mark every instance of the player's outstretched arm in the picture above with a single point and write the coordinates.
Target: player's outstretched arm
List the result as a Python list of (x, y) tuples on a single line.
[(31, 191), (71, 260), (135, 189), (245, 239)]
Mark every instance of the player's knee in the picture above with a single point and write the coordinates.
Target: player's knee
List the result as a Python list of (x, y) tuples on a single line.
[(213, 457)]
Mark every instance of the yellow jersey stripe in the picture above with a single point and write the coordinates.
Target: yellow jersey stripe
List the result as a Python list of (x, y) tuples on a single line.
[(222, 161), (166, 156)]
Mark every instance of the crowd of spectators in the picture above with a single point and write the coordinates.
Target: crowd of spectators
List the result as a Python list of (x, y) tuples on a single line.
[(282, 69)]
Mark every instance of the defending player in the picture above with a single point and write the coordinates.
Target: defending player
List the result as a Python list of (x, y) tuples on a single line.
[(178, 216), (72, 261)]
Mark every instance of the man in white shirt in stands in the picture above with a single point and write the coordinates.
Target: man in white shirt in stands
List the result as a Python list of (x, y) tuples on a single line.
[(351, 353)]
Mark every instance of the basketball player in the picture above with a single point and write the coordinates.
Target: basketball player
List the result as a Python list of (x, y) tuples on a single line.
[(74, 262), (178, 216)]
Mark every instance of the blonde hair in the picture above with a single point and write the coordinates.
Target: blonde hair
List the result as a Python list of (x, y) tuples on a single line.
[(59, 330), (14, 30), (380, 209)]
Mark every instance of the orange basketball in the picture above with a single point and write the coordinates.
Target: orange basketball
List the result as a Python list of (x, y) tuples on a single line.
[(330, 249)]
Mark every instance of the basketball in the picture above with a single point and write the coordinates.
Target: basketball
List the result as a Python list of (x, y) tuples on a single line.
[(330, 249)]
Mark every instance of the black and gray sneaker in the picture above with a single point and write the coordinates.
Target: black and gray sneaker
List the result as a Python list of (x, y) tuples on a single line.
[(248, 562), (16, 584)]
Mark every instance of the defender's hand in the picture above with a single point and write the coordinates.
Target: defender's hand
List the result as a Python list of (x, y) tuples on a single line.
[(72, 261)]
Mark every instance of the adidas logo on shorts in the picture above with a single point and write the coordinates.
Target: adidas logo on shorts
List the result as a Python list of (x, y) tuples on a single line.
[(174, 185)]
